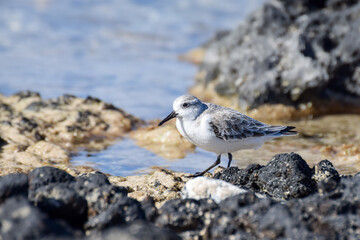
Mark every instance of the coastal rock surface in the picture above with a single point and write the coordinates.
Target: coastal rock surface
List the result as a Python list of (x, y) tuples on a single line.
[(286, 199), (36, 132), (304, 54)]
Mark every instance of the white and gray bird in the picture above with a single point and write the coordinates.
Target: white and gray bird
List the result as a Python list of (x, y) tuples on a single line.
[(219, 129)]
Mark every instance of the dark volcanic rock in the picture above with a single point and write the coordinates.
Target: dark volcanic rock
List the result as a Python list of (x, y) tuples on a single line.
[(326, 176), (20, 220), (100, 198), (330, 215), (245, 178), (137, 231), (148, 205), (290, 52), (124, 211), (186, 216), (61, 201), (13, 184), (43, 176), (285, 176)]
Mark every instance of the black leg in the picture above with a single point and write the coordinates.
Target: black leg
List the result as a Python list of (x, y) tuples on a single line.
[(230, 159), (213, 165)]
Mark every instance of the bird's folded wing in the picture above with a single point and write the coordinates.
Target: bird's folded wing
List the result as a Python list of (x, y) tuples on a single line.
[(234, 125)]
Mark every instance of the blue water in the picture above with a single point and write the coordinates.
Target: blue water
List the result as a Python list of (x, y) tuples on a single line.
[(123, 52)]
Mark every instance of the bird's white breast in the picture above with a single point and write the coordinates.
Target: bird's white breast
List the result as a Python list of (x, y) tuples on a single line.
[(200, 133)]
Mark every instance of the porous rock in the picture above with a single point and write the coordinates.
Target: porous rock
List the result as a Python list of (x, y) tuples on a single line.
[(36, 132), (188, 217), (124, 211), (45, 175), (161, 185), (62, 201), (139, 230), (290, 52), (203, 187), (21, 220), (285, 176), (13, 184)]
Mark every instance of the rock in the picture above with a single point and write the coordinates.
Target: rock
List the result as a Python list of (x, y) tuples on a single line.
[(290, 52), (161, 185), (203, 187), (148, 206), (43, 176), (188, 217), (124, 211), (20, 220), (325, 171), (2, 143), (13, 184), (61, 201), (36, 132), (137, 231), (326, 176), (49, 151), (245, 178), (286, 176), (101, 198)]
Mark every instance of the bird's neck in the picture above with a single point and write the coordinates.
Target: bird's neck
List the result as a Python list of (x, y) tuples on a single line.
[(203, 107)]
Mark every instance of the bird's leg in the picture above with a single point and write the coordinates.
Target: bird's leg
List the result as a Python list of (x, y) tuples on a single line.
[(230, 159), (206, 170)]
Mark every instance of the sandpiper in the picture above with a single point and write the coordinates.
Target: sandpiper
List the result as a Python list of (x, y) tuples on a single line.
[(219, 129)]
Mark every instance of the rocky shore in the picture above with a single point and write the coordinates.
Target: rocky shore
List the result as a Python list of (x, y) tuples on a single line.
[(286, 199), (297, 57)]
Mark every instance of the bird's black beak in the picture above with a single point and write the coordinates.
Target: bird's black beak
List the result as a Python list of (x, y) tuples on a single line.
[(170, 116)]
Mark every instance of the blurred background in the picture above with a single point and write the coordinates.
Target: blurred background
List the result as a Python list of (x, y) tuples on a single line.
[(123, 52)]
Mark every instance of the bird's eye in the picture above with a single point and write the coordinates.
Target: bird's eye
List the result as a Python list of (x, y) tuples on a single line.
[(185, 105)]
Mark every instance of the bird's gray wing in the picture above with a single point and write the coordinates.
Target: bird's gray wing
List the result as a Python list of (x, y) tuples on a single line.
[(229, 124)]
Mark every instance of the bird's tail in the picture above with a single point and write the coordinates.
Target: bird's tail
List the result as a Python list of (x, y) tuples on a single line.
[(288, 131)]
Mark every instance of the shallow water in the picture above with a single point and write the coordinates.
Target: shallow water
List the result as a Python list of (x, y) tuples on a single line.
[(126, 53), (123, 52)]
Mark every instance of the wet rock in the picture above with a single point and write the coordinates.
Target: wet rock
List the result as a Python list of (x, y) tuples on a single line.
[(124, 211), (202, 187), (290, 52), (286, 176), (188, 217), (43, 176), (42, 132), (20, 220), (13, 184), (61, 201), (137, 231)]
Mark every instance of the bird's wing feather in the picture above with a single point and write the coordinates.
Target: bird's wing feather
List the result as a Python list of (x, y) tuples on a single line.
[(229, 124)]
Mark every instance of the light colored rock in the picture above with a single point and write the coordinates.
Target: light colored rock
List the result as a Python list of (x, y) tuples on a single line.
[(203, 187), (161, 185)]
